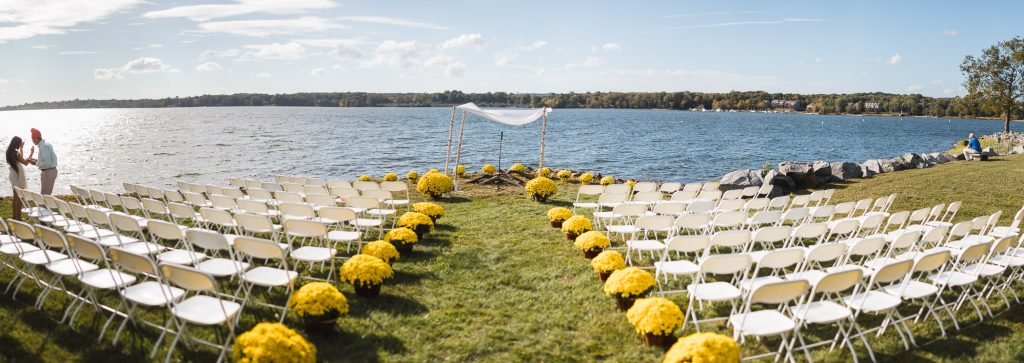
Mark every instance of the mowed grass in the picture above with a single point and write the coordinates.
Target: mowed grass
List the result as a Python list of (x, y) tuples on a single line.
[(495, 283)]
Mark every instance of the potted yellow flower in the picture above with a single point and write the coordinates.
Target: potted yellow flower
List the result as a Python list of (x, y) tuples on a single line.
[(433, 171), (628, 284), (592, 243), (460, 170), (557, 215), (272, 342), (435, 185), (656, 319), (390, 177), (432, 210), (412, 176), (540, 188), (631, 183), (607, 262), (364, 178), (517, 167), (544, 172), (381, 249), (366, 273), (564, 175), (607, 180), (319, 304), (402, 238), (703, 347), (417, 222), (575, 226), (489, 169), (586, 178)]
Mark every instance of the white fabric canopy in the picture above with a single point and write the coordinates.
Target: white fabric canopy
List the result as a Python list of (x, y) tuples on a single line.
[(514, 117)]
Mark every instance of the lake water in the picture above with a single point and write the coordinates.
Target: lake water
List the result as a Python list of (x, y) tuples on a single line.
[(100, 148)]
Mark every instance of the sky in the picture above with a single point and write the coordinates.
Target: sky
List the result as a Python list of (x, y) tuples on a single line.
[(67, 49)]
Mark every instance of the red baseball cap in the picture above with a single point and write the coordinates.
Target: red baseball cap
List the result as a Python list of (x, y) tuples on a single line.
[(36, 134)]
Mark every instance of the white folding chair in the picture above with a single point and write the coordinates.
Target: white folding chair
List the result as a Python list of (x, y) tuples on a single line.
[(203, 306), (269, 276), (314, 236), (670, 266), (703, 290), (770, 322)]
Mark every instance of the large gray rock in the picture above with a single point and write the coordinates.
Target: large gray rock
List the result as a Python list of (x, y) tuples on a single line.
[(872, 167), (823, 171), (802, 174), (912, 161), (781, 184), (740, 179), (845, 170), (897, 164), (1019, 149)]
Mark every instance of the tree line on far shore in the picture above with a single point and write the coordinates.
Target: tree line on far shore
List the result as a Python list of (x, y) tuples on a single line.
[(856, 103)]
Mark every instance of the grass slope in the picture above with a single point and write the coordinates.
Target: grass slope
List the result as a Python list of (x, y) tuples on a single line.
[(495, 283)]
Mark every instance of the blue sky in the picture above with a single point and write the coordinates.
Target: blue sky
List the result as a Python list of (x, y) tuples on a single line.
[(53, 50)]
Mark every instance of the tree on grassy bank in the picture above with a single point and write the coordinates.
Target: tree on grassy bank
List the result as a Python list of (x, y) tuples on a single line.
[(995, 79)]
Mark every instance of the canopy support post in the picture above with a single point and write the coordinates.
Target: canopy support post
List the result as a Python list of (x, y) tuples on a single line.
[(458, 154), (448, 153), (543, 132)]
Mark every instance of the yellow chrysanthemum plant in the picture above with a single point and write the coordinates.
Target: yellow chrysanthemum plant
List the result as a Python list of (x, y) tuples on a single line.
[(381, 249), (433, 171), (607, 262), (544, 172), (631, 183), (412, 176), (460, 170), (435, 185), (489, 169), (540, 188), (390, 177), (364, 178), (592, 243), (575, 226), (518, 167), (586, 178), (627, 285), (557, 215), (607, 180), (417, 222), (272, 342), (656, 319), (432, 210), (704, 348), (402, 238), (319, 304), (366, 274), (564, 175)]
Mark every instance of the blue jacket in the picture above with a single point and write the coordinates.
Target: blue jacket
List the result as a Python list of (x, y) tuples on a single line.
[(974, 144)]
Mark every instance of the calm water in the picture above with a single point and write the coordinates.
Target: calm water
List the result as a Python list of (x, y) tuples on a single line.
[(100, 148)]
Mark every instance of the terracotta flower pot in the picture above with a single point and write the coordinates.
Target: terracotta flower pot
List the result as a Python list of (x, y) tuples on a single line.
[(556, 224), (625, 303), (321, 326), (589, 254), (570, 236), (603, 276), (367, 291), (661, 341)]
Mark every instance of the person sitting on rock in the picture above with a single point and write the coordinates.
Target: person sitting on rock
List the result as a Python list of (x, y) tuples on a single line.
[(972, 147)]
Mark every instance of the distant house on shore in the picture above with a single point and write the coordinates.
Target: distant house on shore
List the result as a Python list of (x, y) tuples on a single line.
[(872, 106), (784, 104)]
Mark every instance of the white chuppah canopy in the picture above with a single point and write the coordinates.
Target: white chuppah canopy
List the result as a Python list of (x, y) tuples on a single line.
[(513, 117)]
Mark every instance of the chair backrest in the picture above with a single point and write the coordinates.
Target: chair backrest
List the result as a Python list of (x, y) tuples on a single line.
[(670, 209), (293, 187), (772, 234), (289, 197), (712, 185), (897, 220), (694, 221), (365, 185), (134, 263), (379, 194), (825, 211), (731, 205), (692, 187), (259, 248), (800, 201), (324, 200), (839, 281), (296, 210), (223, 202), (181, 211), (843, 228), (362, 202), (795, 215), (670, 187), (688, 243), (871, 223), (683, 195), (757, 204), (905, 241), (863, 205), (401, 186), (750, 192), (649, 196), (254, 223), (113, 200), (974, 253), (51, 239), (617, 188), (826, 252), (643, 187), (936, 212), (153, 206), (207, 239), (164, 230), (781, 258), (629, 210), (713, 195), (731, 239), (867, 246), (262, 195), (344, 193), (252, 206), (97, 217), (729, 219), (766, 217), (779, 202), (304, 228), (725, 264), (188, 278), (251, 184), (336, 214), (892, 272), (934, 236), (844, 208), (656, 223), (217, 216), (919, 215), (701, 206), (315, 182), (271, 187), (316, 189), (124, 223), (85, 248), (779, 292), (932, 261), (732, 194)]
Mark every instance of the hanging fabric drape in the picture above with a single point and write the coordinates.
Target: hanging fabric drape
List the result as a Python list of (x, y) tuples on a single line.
[(512, 117)]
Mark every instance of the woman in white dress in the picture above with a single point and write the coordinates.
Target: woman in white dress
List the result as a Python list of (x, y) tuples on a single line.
[(16, 161)]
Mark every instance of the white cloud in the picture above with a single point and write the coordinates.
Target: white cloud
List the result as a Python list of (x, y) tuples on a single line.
[(275, 51), (209, 67), (397, 54), (215, 54), (41, 46), (742, 23), (537, 44), (475, 41), (915, 88), (455, 70), (342, 48), (26, 19), (145, 65), (107, 74), (264, 28), (264, 75), (344, 51), (439, 60), (316, 71), (611, 46), (938, 81), (591, 62), (204, 12), (950, 32), (156, 45), (392, 21), (77, 52), (895, 59)]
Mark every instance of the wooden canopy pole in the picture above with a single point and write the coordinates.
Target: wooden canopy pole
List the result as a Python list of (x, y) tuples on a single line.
[(458, 153), (451, 128), (543, 132)]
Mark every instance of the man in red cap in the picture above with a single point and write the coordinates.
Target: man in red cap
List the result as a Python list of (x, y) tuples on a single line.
[(47, 163)]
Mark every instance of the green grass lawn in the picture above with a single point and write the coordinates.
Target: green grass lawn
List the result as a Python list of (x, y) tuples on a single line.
[(495, 283)]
